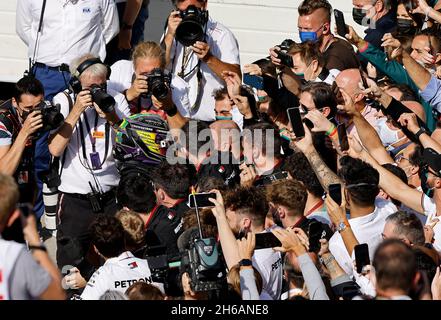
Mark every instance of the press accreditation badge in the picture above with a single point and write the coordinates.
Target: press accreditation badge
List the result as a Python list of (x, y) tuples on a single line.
[(95, 160)]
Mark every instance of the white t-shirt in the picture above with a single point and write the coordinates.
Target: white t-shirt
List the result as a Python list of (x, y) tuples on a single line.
[(75, 177), (224, 46), (429, 207), (118, 274), (367, 229), (121, 79), (269, 264)]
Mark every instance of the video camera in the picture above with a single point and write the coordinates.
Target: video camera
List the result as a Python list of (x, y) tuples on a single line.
[(158, 83), (52, 117), (200, 257), (192, 26)]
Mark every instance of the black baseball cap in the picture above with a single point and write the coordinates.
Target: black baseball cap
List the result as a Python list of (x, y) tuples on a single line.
[(433, 160)]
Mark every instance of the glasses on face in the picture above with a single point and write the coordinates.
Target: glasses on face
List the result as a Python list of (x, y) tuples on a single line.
[(399, 157)]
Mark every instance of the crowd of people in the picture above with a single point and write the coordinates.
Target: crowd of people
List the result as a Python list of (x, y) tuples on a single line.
[(171, 171)]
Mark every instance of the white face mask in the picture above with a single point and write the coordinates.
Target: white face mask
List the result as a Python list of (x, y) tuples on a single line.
[(387, 135)]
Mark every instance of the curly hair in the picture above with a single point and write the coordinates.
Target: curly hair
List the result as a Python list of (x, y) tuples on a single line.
[(361, 180), (299, 168), (174, 179), (108, 235), (289, 193), (248, 201), (135, 192)]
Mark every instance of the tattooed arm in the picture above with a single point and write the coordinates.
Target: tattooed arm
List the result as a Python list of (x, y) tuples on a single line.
[(325, 175)]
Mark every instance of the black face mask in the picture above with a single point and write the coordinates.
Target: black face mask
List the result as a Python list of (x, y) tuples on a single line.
[(405, 26), (359, 15)]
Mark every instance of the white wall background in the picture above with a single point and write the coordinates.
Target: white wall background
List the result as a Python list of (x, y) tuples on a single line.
[(257, 24)]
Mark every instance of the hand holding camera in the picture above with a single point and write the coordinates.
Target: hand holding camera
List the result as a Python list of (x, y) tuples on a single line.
[(33, 122), (173, 22), (139, 86), (83, 101), (202, 50)]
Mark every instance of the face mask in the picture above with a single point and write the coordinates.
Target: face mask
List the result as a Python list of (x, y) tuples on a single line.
[(405, 26), (223, 118), (428, 191), (308, 36), (301, 76), (387, 135), (359, 15)]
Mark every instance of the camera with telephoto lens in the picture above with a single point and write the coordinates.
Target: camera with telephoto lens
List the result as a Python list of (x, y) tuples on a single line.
[(104, 101), (192, 26), (51, 115), (158, 83)]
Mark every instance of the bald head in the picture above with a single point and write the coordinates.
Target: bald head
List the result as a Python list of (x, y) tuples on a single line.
[(349, 80), (416, 108)]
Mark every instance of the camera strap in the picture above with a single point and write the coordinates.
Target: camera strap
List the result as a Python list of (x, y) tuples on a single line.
[(37, 38), (92, 138)]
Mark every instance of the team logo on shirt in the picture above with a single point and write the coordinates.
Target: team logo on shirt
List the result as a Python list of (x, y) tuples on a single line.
[(133, 265)]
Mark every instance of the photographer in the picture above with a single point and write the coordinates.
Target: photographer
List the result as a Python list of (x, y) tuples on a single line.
[(145, 85), (20, 122), (85, 143), (198, 61)]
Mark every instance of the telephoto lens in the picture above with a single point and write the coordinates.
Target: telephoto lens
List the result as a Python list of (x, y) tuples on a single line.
[(105, 101), (192, 26)]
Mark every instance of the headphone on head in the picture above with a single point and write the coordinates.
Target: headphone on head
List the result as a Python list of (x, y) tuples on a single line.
[(75, 83)]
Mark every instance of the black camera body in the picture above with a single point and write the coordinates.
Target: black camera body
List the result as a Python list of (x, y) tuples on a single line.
[(158, 83), (192, 26), (283, 55), (52, 117), (104, 100)]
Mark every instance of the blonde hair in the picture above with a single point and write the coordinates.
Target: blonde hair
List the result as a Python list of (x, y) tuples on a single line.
[(9, 196), (133, 228), (149, 49)]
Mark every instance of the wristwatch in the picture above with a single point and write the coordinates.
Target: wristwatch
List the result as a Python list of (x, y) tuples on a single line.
[(342, 226), (126, 26), (245, 263), (41, 247), (420, 132)]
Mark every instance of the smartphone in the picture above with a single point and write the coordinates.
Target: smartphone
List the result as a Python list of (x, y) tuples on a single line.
[(267, 240), (202, 200), (296, 122), (342, 29), (253, 81), (361, 256), (285, 59), (335, 193), (315, 233), (343, 137)]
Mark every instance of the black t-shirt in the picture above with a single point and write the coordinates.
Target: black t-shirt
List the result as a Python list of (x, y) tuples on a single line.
[(341, 56), (167, 223)]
